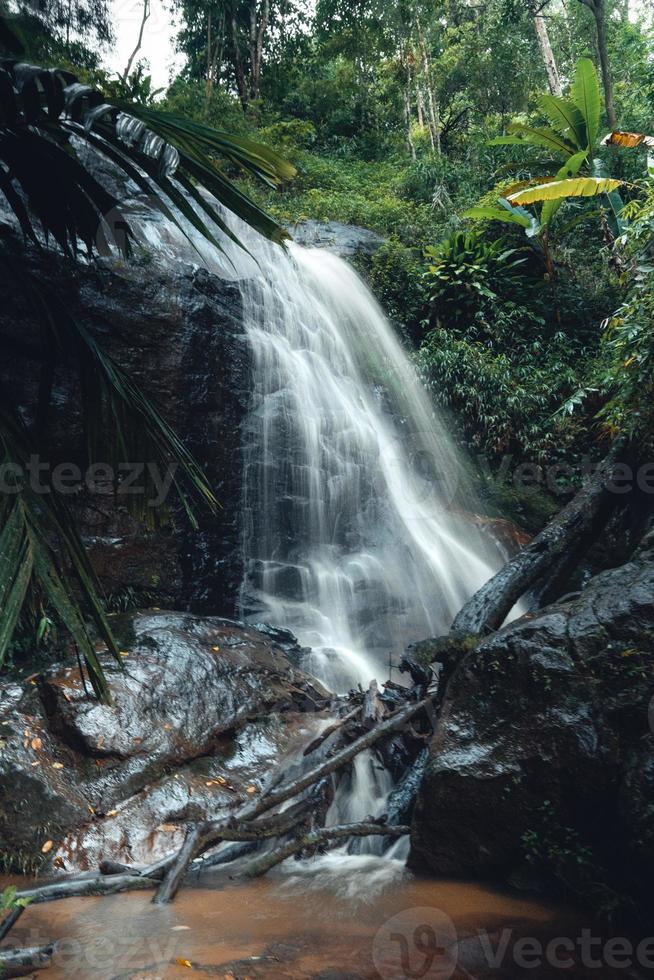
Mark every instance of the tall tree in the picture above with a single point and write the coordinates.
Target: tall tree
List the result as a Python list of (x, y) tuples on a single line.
[(542, 35), (596, 7)]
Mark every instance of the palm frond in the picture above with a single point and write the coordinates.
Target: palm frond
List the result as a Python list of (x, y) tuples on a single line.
[(165, 154), (35, 523)]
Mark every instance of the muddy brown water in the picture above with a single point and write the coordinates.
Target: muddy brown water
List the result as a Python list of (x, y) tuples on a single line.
[(340, 919)]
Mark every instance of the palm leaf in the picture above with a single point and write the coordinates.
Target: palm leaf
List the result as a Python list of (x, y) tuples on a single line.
[(561, 189), (40, 109), (569, 169), (15, 574), (45, 520), (585, 92), (565, 116), (544, 137)]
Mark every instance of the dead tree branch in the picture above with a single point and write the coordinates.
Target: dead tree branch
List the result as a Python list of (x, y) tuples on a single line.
[(261, 864), (589, 508), (213, 833)]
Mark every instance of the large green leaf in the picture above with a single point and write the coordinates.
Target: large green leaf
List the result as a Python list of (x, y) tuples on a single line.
[(486, 212), (614, 201), (569, 169), (561, 189), (585, 92), (542, 136), (566, 118)]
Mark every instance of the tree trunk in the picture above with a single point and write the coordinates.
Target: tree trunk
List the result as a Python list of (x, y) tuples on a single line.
[(542, 35), (139, 40), (407, 111), (239, 68), (432, 103), (258, 27), (597, 9), (585, 513), (20, 962)]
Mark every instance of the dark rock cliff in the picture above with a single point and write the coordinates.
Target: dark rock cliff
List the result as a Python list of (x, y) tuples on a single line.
[(544, 749), (179, 335)]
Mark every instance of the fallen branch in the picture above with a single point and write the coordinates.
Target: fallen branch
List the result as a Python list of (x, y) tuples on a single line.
[(489, 607), (314, 838), (215, 832), (324, 735), (20, 962)]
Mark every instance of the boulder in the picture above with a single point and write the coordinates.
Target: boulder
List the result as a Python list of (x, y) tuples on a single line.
[(344, 240), (203, 709), (543, 751)]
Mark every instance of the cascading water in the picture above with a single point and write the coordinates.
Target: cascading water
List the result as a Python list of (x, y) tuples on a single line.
[(355, 501), (353, 489)]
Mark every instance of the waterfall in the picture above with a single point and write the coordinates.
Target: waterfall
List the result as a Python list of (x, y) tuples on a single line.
[(356, 536), (356, 502)]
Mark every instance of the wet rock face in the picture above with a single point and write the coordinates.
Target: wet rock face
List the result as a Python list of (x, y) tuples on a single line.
[(544, 750), (178, 333), (203, 710)]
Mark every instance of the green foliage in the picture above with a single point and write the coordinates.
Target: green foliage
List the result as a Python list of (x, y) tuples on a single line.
[(394, 273), (625, 371), (9, 902), (467, 273), (503, 403)]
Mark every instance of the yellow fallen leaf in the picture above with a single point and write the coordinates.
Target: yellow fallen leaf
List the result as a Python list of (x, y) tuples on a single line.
[(216, 649), (112, 813), (123, 653), (91, 810), (187, 963), (251, 789), (37, 763), (57, 765), (37, 744), (47, 847), (221, 780)]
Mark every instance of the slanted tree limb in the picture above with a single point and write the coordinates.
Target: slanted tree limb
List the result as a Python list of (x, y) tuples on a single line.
[(10, 921), (262, 863), (324, 735), (214, 833), (588, 509)]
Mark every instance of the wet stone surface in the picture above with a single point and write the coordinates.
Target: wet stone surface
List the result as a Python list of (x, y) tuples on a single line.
[(204, 708)]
